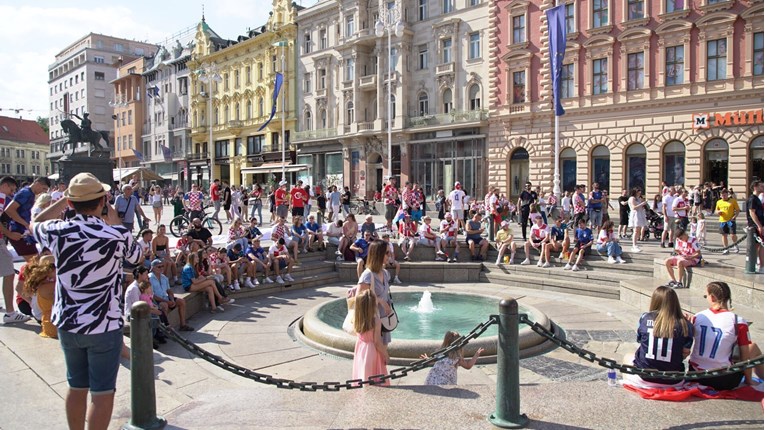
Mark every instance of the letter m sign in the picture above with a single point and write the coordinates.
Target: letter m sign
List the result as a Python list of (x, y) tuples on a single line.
[(700, 121)]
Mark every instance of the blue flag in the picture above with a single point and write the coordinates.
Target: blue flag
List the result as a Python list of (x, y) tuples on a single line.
[(167, 153), (556, 24), (138, 155), (277, 87), (152, 91)]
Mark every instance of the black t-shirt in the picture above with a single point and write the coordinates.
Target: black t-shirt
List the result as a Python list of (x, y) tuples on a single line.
[(528, 197), (753, 203), (227, 196), (623, 209), (346, 198), (202, 234), (321, 201)]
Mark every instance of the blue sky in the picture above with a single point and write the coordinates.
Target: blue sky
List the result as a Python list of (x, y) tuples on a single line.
[(33, 32)]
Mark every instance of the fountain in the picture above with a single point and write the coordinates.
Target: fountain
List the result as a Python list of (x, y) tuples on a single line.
[(424, 318)]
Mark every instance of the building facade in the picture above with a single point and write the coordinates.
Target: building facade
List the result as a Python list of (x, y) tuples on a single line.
[(240, 78), (437, 85), (24, 148), (79, 82), (654, 91), (128, 115), (166, 126)]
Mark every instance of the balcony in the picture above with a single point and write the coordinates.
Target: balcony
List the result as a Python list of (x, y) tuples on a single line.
[(322, 133), (366, 126), (368, 82), (347, 85), (442, 69), (454, 117), (198, 156), (321, 92)]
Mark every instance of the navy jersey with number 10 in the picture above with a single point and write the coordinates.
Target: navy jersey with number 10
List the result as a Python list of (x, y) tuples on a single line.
[(661, 353)]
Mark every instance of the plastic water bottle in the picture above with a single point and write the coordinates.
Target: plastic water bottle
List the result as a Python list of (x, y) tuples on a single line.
[(612, 377)]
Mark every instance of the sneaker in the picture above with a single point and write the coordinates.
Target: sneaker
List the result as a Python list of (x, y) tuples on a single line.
[(674, 285), (406, 258), (339, 258), (539, 263), (236, 286), (396, 280), (249, 284), (231, 287), (441, 253), (289, 277), (267, 280), (736, 250), (497, 263), (567, 266), (611, 260), (255, 281), (15, 317), (279, 280), (512, 259), (619, 260), (725, 252), (546, 265), (560, 257), (635, 249), (575, 268), (338, 253), (525, 262), (439, 258)]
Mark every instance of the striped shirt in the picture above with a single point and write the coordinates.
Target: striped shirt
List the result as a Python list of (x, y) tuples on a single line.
[(89, 255)]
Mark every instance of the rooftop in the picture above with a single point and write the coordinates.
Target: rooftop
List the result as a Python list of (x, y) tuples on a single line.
[(22, 130)]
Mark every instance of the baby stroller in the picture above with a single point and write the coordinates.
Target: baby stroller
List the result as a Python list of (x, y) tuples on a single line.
[(655, 224)]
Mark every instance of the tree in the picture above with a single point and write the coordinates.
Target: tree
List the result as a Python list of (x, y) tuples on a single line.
[(43, 123)]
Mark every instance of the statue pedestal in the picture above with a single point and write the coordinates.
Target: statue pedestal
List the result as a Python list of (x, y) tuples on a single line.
[(101, 168)]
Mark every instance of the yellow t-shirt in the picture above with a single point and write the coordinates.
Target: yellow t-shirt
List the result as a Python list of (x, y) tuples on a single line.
[(502, 235), (728, 208)]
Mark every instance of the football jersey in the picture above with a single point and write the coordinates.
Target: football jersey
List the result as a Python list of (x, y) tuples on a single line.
[(687, 247), (558, 233), (539, 232), (716, 332), (391, 194), (298, 197), (661, 353), (280, 197), (425, 230), (583, 235), (680, 207), (276, 250), (448, 228)]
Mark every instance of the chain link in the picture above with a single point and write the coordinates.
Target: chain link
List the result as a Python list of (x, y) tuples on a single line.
[(624, 368), (735, 244), (263, 378)]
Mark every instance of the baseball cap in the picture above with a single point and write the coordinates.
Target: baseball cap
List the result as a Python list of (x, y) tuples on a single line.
[(156, 262), (282, 183), (505, 224)]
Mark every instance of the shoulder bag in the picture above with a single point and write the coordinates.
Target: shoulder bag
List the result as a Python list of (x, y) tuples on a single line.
[(390, 321)]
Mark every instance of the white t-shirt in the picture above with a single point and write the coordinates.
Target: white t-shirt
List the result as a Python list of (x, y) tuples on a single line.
[(566, 202), (457, 198), (681, 206), (425, 229), (604, 237), (144, 246), (56, 195), (448, 229), (667, 202), (132, 295), (539, 232)]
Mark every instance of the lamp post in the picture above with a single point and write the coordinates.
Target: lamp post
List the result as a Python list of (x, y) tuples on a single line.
[(209, 75), (389, 21), (118, 103)]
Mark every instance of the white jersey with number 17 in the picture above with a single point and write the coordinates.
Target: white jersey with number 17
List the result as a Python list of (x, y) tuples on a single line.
[(715, 333)]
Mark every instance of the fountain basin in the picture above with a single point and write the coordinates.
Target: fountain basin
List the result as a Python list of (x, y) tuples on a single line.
[(321, 327)]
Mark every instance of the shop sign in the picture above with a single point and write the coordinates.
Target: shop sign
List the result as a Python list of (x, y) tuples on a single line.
[(705, 121)]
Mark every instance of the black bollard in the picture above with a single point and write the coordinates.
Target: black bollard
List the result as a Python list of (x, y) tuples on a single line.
[(508, 409), (491, 228), (143, 402), (751, 251)]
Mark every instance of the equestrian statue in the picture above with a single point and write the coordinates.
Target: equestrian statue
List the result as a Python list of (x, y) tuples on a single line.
[(85, 134)]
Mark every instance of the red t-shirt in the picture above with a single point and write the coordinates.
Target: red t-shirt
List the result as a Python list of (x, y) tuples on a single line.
[(280, 196), (298, 197), (215, 192)]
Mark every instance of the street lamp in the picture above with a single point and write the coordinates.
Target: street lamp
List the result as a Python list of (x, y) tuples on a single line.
[(389, 21), (209, 74), (118, 102)]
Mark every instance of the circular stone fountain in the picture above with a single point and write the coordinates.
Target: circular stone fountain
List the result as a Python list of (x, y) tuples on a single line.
[(424, 318)]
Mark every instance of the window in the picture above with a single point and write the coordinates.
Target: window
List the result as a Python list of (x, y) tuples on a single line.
[(350, 69), (423, 57), (349, 113), (217, 116), (717, 57), (255, 144), (519, 29), (570, 19), (236, 112), (446, 6), (130, 117), (600, 76), (567, 81), (422, 10), (757, 54), (474, 97), (260, 71), (99, 76), (422, 103), (599, 13), (674, 163), (225, 82), (249, 109), (247, 73), (98, 59), (475, 46), (236, 78), (350, 27), (221, 149), (635, 9), (474, 2), (447, 101), (119, 47), (675, 5), (519, 87), (635, 71), (261, 107), (446, 51), (307, 83), (323, 38), (323, 118), (307, 43), (307, 120), (675, 63), (273, 63), (322, 78), (601, 166)]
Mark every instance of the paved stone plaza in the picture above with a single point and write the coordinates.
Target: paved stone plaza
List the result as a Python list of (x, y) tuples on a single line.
[(557, 389)]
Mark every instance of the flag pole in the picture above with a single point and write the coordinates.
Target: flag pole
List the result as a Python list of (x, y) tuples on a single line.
[(284, 143)]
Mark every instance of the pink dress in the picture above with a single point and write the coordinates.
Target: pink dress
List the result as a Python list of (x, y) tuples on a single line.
[(367, 361)]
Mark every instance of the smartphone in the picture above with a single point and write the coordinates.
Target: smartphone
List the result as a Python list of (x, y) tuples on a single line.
[(105, 210)]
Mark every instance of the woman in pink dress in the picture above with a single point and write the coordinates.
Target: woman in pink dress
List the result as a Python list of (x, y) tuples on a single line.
[(370, 355)]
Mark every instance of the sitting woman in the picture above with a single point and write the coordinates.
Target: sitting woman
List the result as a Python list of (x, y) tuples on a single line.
[(299, 234), (608, 242), (160, 247), (717, 331), (350, 232), (237, 234), (192, 282), (665, 338), (40, 281)]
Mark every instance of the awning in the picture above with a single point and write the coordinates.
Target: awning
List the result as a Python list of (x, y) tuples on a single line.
[(274, 168), (171, 176), (53, 177), (126, 172)]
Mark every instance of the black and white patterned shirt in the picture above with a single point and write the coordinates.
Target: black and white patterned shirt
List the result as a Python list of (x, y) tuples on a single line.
[(89, 255)]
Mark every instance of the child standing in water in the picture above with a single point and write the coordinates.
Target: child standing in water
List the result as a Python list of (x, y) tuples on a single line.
[(370, 355), (444, 372)]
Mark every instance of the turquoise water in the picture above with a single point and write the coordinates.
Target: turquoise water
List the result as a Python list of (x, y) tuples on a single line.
[(458, 312)]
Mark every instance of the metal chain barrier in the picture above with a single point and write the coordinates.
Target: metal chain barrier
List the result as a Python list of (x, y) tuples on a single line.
[(724, 248), (327, 386), (624, 368)]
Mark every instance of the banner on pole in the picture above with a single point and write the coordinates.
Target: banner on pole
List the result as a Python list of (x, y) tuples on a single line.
[(556, 23)]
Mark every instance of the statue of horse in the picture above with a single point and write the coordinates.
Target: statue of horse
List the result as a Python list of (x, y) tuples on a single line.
[(93, 138)]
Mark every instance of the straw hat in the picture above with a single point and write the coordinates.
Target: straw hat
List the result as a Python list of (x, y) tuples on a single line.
[(85, 187)]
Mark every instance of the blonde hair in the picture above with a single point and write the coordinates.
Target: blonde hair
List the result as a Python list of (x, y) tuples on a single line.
[(43, 199), (36, 272), (450, 337), (665, 303), (364, 311)]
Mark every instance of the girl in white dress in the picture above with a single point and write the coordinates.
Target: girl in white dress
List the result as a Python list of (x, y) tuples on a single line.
[(637, 219)]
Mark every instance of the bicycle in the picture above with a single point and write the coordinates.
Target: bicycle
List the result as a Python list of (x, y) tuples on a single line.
[(180, 224), (363, 207)]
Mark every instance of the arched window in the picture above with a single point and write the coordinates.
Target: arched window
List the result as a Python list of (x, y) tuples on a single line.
[(349, 113), (422, 104), (674, 163), (519, 171), (307, 120), (236, 111), (601, 166), (217, 116), (225, 114), (323, 118), (249, 109), (260, 106), (392, 106), (568, 169), (474, 97), (716, 161), (636, 166), (447, 101), (756, 158)]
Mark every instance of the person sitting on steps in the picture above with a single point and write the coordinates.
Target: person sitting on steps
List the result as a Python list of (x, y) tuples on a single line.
[(688, 255), (581, 247), (504, 239), (537, 240), (558, 241), (473, 238)]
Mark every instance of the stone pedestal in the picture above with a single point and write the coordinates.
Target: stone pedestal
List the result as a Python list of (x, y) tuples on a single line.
[(101, 168)]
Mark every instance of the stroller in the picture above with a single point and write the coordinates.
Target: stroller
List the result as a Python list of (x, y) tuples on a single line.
[(655, 224)]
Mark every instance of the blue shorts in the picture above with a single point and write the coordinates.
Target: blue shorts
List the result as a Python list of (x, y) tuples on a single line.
[(92, 360), (416, 214)]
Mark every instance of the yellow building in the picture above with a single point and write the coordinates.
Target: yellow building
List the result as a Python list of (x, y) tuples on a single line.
[(24, 148), (239, 102)]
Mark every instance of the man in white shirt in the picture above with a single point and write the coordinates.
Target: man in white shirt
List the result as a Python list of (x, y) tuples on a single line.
[(456, 201), (429, 238), (56, 195), (448, 230), (669, 217)]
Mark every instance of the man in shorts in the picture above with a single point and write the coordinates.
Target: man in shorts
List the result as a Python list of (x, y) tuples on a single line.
[(595, 205), (727, 208), (667, 203), (298, 198), (259, 259), (429, 238), (558, 241), (281, 200), (280, 258), (456, 202), (8, 187), (688, 255), (20, 213), (473, 239), (390, 194), (448, 230), (504, 239), (215, 197), (408, 230), (281, 231), (392, 263), (582, 246), (361, 247), (537, 240)]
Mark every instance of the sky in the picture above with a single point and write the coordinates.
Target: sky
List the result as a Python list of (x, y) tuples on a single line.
[(34, 31)]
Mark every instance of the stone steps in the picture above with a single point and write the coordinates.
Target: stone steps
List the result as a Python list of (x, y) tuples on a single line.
[(570, 286), (600, 273)]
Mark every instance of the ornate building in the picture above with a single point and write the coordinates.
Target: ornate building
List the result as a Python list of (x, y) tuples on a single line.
[(654, 91), (128, 115), (23, 149)]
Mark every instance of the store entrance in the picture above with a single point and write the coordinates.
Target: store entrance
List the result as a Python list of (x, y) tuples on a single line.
[(716, 161), (518, 173)]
